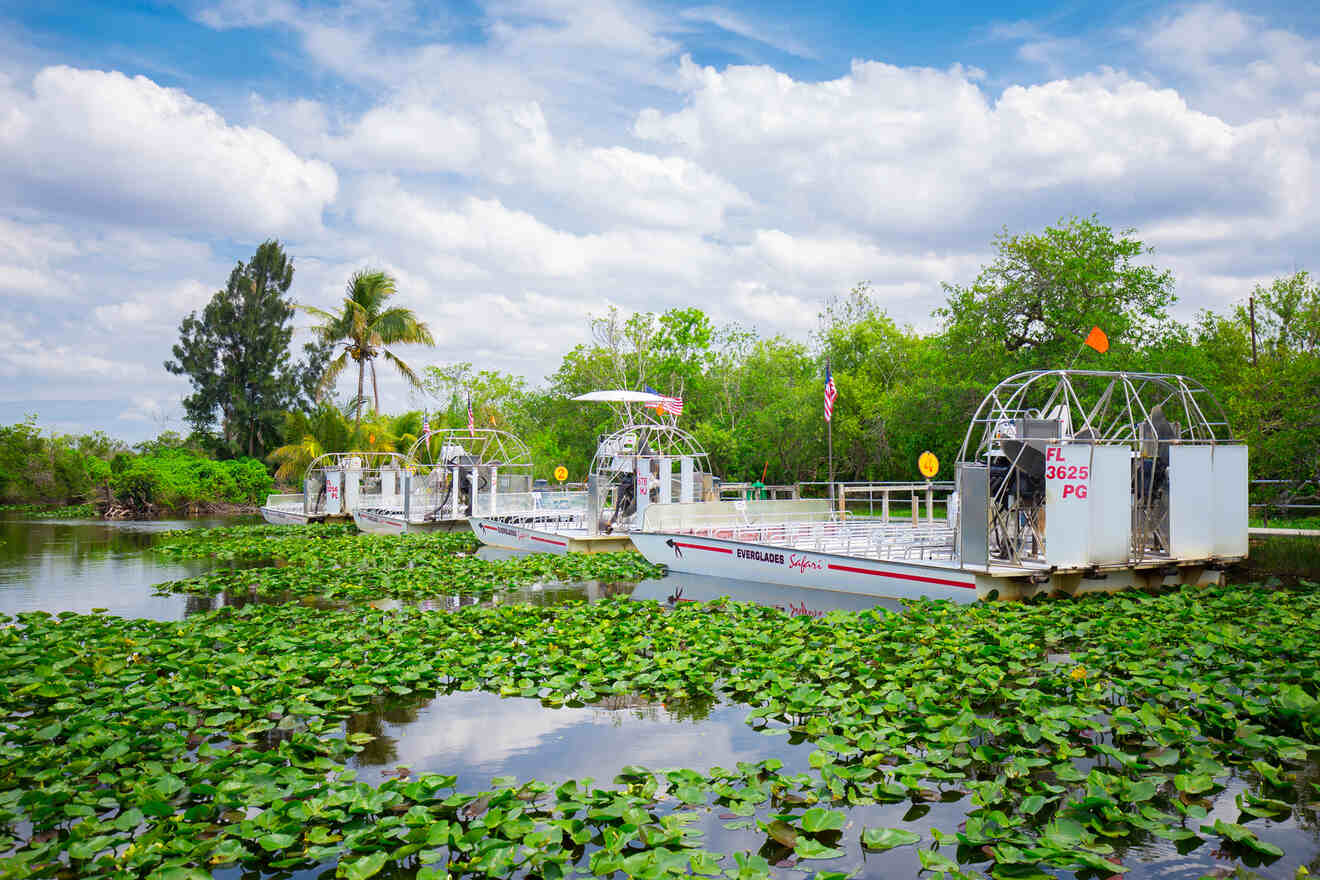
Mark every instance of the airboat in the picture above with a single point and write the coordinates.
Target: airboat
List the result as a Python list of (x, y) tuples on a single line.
[(452, 475), (649, 462), (1068, 481), (336, 484)]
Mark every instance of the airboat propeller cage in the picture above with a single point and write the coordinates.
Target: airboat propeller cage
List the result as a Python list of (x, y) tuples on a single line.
[(337, 483), (661, 463), (461, 472), (1088, 469)]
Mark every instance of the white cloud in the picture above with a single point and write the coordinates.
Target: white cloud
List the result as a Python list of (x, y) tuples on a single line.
[(566, 159), (1231, 63), (907, 151), (734, 23), (88, 142), (156, 310)]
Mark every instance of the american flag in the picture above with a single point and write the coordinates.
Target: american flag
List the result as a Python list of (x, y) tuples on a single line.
[(426, 427), (472, 424), (672, 405), (830, 393)]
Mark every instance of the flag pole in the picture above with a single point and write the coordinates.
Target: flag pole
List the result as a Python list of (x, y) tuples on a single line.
[(829, 441)]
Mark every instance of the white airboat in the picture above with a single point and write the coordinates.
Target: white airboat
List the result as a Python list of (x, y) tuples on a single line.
[(334, 485), (648, 463), (454, 474), (1068, 481)]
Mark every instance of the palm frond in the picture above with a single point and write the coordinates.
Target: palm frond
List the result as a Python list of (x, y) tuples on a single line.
[(295, 458), (332, 371), (400, 325), (407, 371), (370, 288)]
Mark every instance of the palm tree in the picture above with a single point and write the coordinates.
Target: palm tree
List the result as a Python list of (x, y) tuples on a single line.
[(364, 327)]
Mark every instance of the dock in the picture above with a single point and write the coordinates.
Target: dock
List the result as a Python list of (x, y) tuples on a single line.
[(1299, 533)]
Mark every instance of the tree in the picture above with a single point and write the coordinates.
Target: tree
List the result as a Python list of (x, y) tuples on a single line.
[(1275, 405), (363, 327), (236, 356), (1034, 304)]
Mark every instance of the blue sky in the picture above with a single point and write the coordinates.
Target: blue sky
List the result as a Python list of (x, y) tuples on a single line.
[(523, 164)]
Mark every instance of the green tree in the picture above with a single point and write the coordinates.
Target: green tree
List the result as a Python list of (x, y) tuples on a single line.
[(236, 356), (364, 327), (1034, 304), (1275, 405)]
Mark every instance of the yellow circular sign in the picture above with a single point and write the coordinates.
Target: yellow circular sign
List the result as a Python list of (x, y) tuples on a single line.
[(928, 464), (561, 473)]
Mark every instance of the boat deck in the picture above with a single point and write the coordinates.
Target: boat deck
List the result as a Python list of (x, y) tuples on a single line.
[(898, 540)]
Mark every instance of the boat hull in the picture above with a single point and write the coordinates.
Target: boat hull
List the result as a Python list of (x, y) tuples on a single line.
[(890, 579), (499, 533), (739, 560), (277, 517), (378, 522)]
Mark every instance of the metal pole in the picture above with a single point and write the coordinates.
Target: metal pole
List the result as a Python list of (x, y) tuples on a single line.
[(829, 437), (1251, 303)]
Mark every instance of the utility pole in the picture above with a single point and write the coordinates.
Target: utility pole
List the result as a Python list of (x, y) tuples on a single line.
[(1251, 305)]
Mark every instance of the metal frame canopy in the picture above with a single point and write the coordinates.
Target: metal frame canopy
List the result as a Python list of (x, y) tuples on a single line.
[(488, 446), (337, 482), (647, 441), (1099, 407), (1121, 445), (367, 461)]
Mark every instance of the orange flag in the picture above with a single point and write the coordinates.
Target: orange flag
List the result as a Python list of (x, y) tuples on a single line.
[(1098, 340)]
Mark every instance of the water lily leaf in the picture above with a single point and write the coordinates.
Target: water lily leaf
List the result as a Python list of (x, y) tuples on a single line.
[(360, 869), (1032, 804), (1243, 836), (817, 820), (274, 842), (808, 848), (933, 860), (783, 833), (881, 839), (1193, 783)]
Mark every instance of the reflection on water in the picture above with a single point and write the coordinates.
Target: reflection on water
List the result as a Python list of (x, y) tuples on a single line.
[(78, 565), (479, 736)]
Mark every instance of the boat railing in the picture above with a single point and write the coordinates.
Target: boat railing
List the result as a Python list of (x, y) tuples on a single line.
[(760, 491), (286, 500), (825, 531)]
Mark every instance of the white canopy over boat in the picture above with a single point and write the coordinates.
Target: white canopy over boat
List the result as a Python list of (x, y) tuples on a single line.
[(620, 395)]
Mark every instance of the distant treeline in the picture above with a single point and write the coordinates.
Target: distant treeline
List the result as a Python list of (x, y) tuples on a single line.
[(754, 402), (167, 474)]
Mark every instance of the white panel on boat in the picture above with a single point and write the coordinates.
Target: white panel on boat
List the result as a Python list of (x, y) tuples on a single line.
[(1230, 507), (1110, 497), (666, 479), (334, 485), (1191, 502), (389, 482), (353, 484), (972, 521), (685, 479), (1067, 505)]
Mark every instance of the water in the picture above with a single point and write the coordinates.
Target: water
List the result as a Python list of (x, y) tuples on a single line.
[(80, 565), (480, 736)]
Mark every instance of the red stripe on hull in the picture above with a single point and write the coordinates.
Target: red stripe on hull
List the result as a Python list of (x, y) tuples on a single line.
[(903, 577), (703, 547), (548, 541)]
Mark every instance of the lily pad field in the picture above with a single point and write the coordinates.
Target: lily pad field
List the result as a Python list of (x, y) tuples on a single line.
[(1142, 734)]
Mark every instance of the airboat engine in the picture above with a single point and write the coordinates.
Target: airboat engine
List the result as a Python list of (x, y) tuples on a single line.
[(469, 470)]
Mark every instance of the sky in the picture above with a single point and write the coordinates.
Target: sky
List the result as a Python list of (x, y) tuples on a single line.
[(522, 165)]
